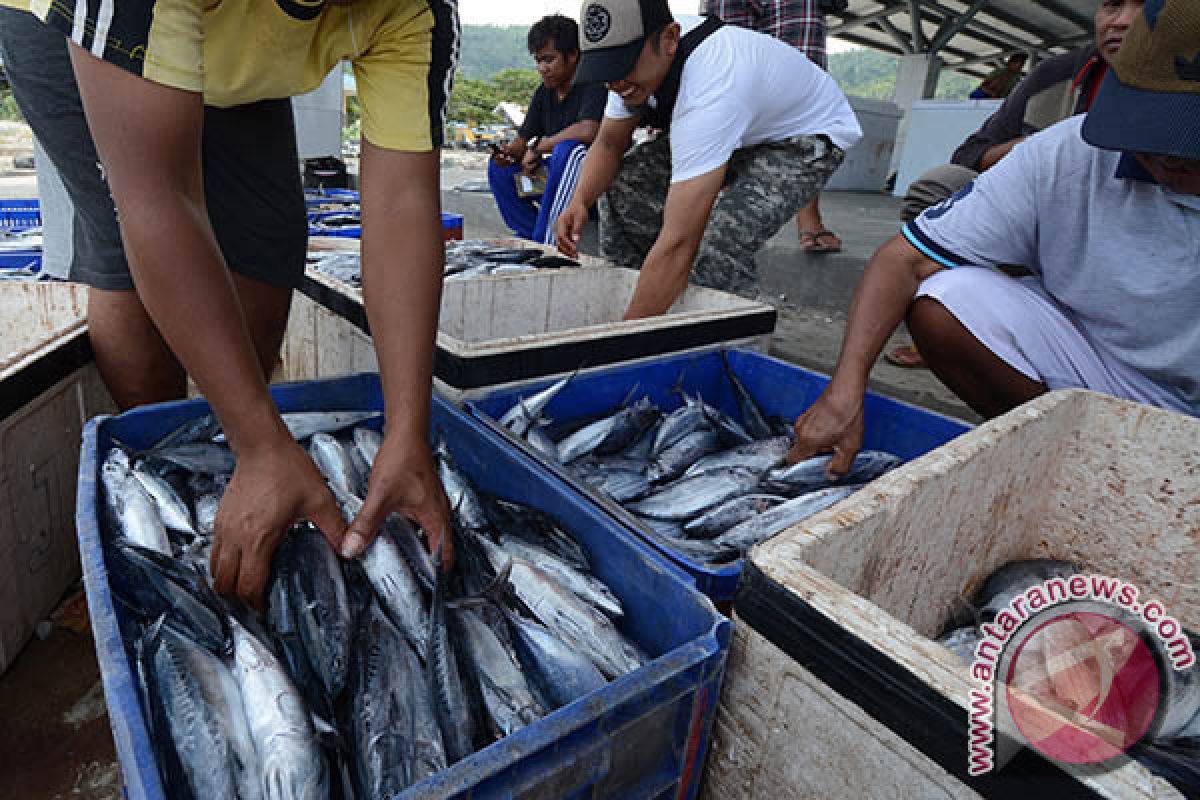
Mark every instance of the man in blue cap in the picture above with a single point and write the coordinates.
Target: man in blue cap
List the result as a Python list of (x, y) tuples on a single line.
[(1105, 209)]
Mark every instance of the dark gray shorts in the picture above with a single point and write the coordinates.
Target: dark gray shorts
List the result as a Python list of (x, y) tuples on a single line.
[(251, 168)]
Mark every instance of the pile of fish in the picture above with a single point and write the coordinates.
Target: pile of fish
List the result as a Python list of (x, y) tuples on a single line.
[(23, 247), (366, 676), (711, 486), (464, 259), (1174, 751)]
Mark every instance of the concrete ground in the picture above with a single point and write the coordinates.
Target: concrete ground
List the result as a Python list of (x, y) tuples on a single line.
[(55, 739)]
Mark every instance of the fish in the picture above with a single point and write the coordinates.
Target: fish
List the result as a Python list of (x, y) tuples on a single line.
[(742, 537), (642, 448), (541, 443), (691, 497), (157, 587), (395, 739), (1014, 578), (812, 473), (200, 429), (367, 442), (528, 410), (206, 507), (676, 459), (303, 424), (138, 517), (445, 679), (759, 456), (565, 615), (679, 423), (463, 499), (507, 696), (559, 673), (610, 434), (962, 643), (205, 457), (663, 527), (321, 606), (585, 586), (754, 420), (290, 761), (538, 529), (408, 540), (397, 589), (622, 485), (196, 702), (730, 513), (173, 512), (334, 463)]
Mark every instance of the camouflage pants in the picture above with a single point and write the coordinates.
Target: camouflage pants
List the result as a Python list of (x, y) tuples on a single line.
[(765, 186)]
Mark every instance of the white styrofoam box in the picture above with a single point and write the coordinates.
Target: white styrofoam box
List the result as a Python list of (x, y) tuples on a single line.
[(1110, 485), (866, 166), (49, 388), (932, 132)]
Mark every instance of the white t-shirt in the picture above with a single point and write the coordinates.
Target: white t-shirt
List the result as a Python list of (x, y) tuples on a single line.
[(1120, 255), (740, 88)]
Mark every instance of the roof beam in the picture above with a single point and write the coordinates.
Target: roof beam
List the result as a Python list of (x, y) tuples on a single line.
[(919, 45), (952, 26), (851, 23), (885, 26)]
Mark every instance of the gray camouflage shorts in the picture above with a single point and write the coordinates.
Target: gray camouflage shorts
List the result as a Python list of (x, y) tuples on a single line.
[(765, 186)]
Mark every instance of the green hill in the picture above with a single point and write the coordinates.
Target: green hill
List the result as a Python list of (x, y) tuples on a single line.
[(489, 49)]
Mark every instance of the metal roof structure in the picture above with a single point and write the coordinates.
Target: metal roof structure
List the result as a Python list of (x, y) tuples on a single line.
[(971, 36)]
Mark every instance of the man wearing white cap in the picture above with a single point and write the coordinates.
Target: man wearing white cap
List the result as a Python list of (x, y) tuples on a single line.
[(751, 132)]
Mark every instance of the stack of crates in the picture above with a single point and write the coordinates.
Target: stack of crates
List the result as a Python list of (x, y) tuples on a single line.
[(16, 216)]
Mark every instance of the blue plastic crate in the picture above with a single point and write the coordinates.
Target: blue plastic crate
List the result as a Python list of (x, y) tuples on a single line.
[(781, 390), (12, 219), (641, 736), (20, 204), (21, 259)]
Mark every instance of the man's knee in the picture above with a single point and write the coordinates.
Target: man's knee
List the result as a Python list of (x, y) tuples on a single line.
[(933, 327), (934, 186)]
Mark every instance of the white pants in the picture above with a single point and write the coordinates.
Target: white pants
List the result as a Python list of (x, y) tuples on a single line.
[(1033, 334)]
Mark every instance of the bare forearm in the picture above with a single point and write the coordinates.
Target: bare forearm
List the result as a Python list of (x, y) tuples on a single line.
[(663, 277), (993, 154), (880, 302), (186, 289), (583, 131), (403, 255)]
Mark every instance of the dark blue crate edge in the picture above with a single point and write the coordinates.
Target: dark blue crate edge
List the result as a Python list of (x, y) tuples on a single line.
[(132, 739)]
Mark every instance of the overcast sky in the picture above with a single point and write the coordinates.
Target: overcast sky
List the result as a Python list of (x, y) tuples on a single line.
[(526, 12)]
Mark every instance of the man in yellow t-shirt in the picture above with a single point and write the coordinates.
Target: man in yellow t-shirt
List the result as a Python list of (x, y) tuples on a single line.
[(190, 126)]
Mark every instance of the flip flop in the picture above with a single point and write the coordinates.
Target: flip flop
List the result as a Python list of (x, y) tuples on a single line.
[(810, 241), (907, 356)]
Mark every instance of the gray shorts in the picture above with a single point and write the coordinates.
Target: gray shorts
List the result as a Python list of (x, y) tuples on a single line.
[(251, 168)]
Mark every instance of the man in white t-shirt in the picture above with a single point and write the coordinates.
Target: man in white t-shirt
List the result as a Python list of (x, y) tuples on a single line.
[(751, 132), (1104, 209)]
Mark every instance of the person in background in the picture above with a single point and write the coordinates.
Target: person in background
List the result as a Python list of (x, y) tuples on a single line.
[(561, 123), (801, 24), (1001, 81), (751, 131), (1056, 89), (1104, 209), (162, 111)]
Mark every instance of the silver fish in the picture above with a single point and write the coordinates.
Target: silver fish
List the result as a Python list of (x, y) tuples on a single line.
[(321, 606), (561, 674), (622, 485), (755, 421), (445, 679), (292, 765), (690, 497), (742, 537), (730, 513), (1014, 578), (303, 424), (678, 424), (509, 702), (200, 429), (676, 459), (585, 586), (171, 508), (522, 416), (566, 616), (540, 441), (139, 519), (368, 441), (205, 457), (198, 705), (463, 499), (206, 507), (334, 463), (609, 435), (731, 432), (811, 474), (758, 456), (397, 589)]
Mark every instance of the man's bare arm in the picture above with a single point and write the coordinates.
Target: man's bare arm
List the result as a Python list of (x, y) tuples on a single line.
[(584, 132)]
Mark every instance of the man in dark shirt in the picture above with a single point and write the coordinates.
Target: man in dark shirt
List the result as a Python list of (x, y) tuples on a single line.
[(1000, 82), (562, 121)]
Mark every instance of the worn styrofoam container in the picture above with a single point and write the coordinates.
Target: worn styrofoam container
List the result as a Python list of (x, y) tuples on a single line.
[(49, 386), (781, 390), (504, 328), (835, 686), (865, 168), (644, 735)]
